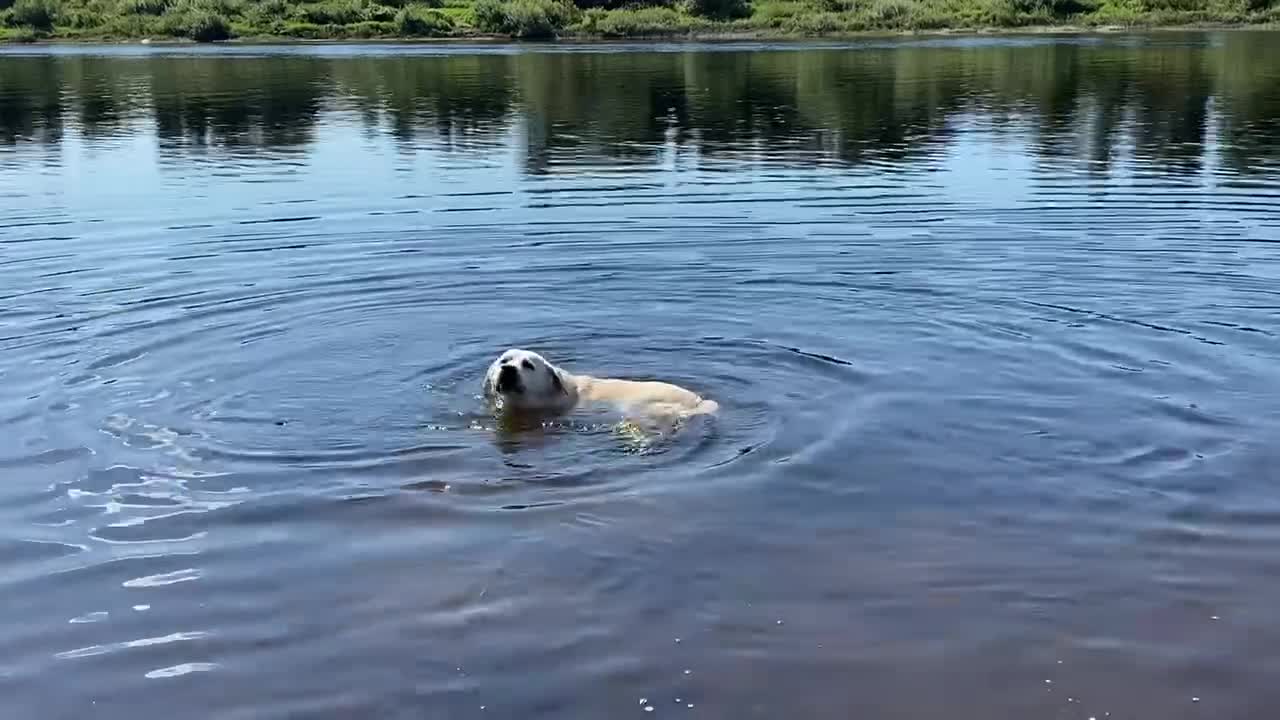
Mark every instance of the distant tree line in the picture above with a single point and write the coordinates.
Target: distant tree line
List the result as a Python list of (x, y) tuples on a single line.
[(213, 20)]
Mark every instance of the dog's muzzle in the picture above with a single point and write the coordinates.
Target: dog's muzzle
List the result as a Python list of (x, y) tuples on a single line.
[(508, 380)]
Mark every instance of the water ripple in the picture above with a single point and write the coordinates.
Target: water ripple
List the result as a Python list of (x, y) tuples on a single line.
[(991, 321), (129, 644)]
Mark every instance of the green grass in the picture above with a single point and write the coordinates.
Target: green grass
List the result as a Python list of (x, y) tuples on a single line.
[(18, 35), (421, 21), (638, 22), (533, 19), (212, 20)]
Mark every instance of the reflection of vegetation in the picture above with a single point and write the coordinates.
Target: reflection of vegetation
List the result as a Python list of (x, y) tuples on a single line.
[(450, 97), (202, 102), (1164, 103), (1244, 77), (31, 100), (209, 20)]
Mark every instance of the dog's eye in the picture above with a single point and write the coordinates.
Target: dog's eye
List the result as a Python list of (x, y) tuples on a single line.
[(526, 364)]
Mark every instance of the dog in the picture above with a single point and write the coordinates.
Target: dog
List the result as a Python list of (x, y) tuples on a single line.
[(522, 381)]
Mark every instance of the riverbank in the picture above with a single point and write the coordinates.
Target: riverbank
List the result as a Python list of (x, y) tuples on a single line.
[(264, 20)]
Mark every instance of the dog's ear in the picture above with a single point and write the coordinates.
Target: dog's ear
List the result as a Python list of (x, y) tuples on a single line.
[(488, 382), (556, 382)]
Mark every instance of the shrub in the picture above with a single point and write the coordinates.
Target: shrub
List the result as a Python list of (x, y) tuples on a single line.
[(1229, 10), (928, 17), (334, 12), (203, 26), (523, 18), (638, 22), (1071, 7), (1176, 5), (306, 31), (225, 8), (372, 29), (380, 13), (191, 21), (267, 16), (19, 35), (777, 14), (721, 9), (144, 7), (80, 19), (208, 27), (422, 21), (269, 8), (588, 20), (1117, 12), (133, 26), (890, 12), (1000, 13), (616, 4), (36, 14), (489, 14), (816, 24)]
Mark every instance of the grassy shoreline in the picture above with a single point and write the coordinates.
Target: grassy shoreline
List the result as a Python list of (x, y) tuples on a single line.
[(712, 34), (261, 21)]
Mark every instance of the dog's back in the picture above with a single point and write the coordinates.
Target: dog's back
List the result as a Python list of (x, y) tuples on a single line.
[(647, 396)]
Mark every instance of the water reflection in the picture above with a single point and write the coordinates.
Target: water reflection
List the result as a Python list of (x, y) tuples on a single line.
[(994, 323), (1161, 100), (240, 105)]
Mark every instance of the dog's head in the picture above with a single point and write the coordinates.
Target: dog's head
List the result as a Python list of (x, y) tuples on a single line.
[(524, 380)]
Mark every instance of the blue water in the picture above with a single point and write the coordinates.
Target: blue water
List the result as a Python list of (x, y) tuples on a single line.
[(993, 324)]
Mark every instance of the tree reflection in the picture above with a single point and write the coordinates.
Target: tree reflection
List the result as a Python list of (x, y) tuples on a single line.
[(1162, 103)]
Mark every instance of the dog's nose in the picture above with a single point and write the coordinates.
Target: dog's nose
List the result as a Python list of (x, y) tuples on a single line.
[(508, 379)]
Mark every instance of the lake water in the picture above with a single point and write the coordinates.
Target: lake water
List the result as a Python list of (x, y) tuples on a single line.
[(993, 323)]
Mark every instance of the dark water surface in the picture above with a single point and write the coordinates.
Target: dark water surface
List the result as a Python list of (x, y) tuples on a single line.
[(993, 322)]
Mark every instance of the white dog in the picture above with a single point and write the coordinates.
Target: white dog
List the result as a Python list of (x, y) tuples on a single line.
[(523, 381)]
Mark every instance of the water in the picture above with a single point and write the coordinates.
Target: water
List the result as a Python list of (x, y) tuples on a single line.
[(993, 323)]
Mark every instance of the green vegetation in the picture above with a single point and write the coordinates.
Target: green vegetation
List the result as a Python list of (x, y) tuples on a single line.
[(210, 20), (421, 21), (523, 18), (35, 14)]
